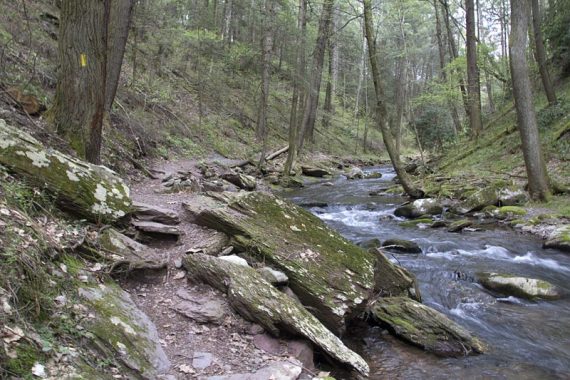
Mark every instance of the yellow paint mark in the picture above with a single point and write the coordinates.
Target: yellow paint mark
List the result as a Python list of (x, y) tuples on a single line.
[(83, 59)]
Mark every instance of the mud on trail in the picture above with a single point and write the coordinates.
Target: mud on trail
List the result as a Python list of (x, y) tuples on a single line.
[(200, 333)]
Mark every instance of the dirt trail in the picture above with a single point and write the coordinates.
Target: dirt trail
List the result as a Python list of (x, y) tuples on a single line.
[(228, 346)]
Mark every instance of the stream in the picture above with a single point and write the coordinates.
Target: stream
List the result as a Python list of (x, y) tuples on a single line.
[(526, 340)]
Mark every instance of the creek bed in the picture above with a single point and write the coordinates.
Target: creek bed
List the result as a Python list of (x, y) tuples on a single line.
[(527, 340)]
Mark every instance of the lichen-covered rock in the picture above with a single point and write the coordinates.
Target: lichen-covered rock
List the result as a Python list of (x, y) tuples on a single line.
[(120, 330), (479, 200), (274, 277), (418, 208), (328, 273), (511, 196), (91, 191), (260, 302), (559, 239), (401, 245), (424, 327), (156, 228), (529, 288)]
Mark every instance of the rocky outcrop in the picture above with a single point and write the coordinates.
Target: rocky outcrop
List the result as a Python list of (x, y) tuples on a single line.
[(522, 287), (327, 272), (120, 330), (424, 327), (419, 207), (559, 239), (313, 171), (260, 302), (150, 213), (400, 245), (93, 192)]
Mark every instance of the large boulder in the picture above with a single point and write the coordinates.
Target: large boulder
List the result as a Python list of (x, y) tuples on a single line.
[(119, 330), (424, 327), (522, 287), (401, 245), (419, 207), (478, 201), (91, 191), (314, 171), (258, 301), (559, 239), (327, 272)]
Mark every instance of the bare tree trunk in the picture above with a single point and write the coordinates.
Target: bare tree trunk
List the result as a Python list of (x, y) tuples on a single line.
[(266, 45), (538, 184), (297, 79), (381, 112), (79, 102), (312, 98), (473, 80), (441, 48), (540, 54), (227, 22), (328, 106)]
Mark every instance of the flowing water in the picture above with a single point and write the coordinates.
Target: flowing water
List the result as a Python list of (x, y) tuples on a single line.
[(527, 340)]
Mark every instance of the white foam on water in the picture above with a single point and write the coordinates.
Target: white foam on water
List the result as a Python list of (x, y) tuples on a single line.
[(448, 255), (511, 299), (530, 258), (354, 217), (464, 311), (490, 251)]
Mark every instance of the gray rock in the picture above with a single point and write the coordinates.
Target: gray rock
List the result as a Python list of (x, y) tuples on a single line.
[(522, 287), (401, 245), (242, 181), (512, 197), (478, 201), (269, 344), (459, 225), (373, 175), (418, 208), (202, 310), (234, 259), (559, 238), (354, 173), (202, 360), (156, 228), (302, 350), (284, 370), (145, 212), (274, 277), (370, 243)]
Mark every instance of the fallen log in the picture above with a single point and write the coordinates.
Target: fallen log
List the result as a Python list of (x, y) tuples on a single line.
[(91, 191), (258, 301)]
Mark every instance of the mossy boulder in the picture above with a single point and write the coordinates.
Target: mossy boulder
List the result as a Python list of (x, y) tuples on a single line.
[(401, 245), (559, 239), (258, 301), (478, 201), (424, 327), (459, 225), (90, 191), (314, 171), (243, 181), (522, 287), (370, 243), (118, 329), (419, 208), (416, 222), (328, 273)]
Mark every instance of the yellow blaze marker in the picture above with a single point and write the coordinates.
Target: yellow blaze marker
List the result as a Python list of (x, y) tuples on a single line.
[(83, 59)]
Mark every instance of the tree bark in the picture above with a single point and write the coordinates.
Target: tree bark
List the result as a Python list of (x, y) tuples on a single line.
[(381, 112), (328, 106), (540, 54), (473, 80), (79, 102), (266, 45), (312, 98), (538, 184), (297, 79)]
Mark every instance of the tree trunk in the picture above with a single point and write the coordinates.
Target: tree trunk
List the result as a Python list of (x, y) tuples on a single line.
[(79, 102), (312, 98), (266, 45), (297, 80), (538, 184), (119, 22), (381, 112), (227, 22), (328, 106), (473, 80), (441, 49), (540, 54)]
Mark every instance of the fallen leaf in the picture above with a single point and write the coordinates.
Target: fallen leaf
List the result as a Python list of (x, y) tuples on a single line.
[(39, 370), (10, 335), (185, 368)]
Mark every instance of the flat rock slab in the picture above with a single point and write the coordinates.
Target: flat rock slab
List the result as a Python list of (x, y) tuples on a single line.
[(285, 370), (156, 228), (258, 301), (326, 271), (529, 288), (146, 212), (425, 327), (201, 310)]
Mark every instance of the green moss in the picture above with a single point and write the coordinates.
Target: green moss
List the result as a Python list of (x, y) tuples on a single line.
[(27, 356), (514, 210), (415, 222)]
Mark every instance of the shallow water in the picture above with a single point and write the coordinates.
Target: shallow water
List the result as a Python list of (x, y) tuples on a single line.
[(527, 340)]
